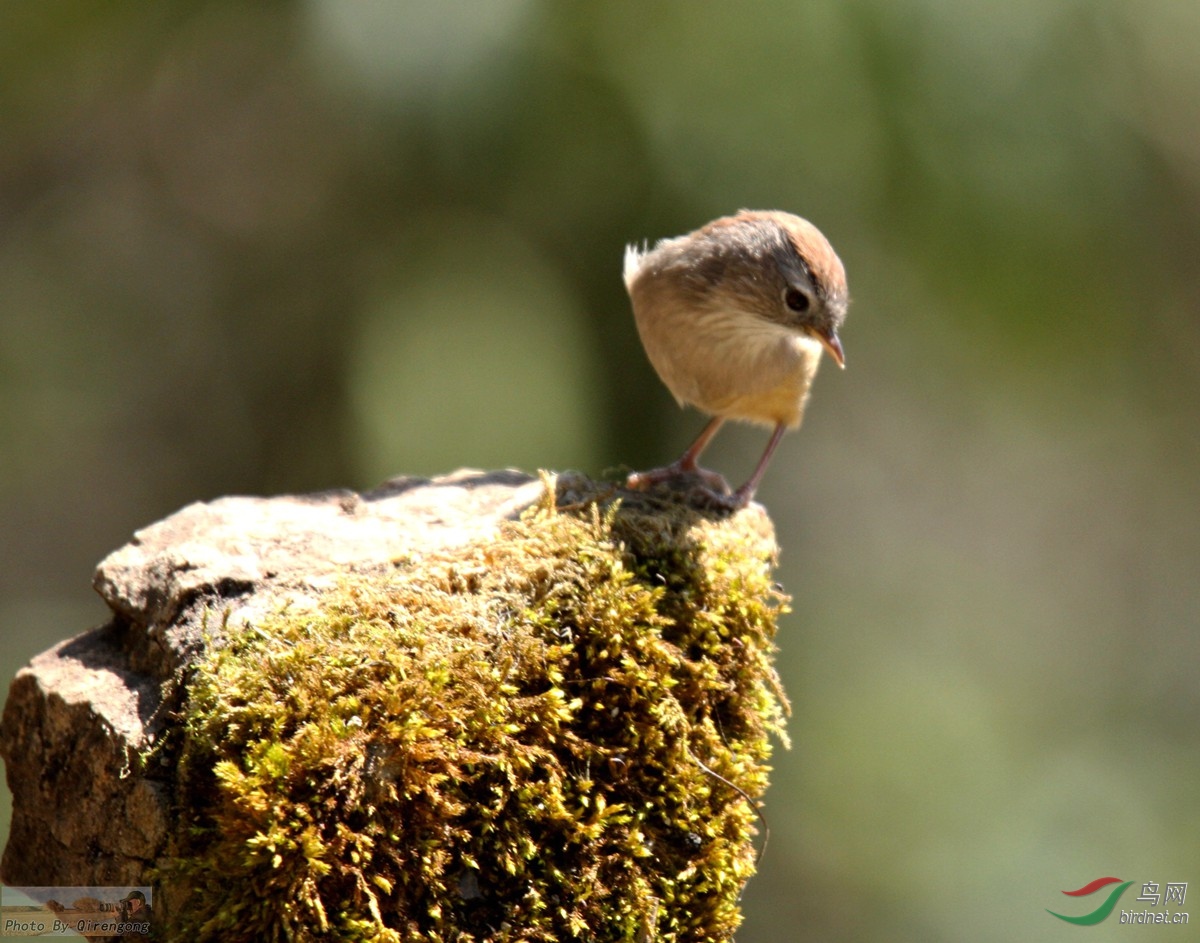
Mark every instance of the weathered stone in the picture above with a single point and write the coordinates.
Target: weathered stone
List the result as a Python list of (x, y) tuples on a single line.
[(79, 713), (611, 650)]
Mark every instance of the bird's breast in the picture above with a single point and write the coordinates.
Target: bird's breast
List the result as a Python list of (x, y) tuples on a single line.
[(732, 364), (772, 382)]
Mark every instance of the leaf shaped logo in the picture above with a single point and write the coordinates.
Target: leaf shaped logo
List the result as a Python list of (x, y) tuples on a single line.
[(1088, 920)]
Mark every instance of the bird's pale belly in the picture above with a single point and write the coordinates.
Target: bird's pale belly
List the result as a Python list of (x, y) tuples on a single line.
[(765, 382)]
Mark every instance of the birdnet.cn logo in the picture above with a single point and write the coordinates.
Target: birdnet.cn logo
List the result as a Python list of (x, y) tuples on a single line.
[(1155, 903)]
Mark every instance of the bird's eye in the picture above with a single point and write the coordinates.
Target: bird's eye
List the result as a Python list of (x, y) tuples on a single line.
[(797, 300)]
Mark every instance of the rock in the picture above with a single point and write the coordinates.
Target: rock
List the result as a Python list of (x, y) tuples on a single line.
[(79, 714), (585, 690), (247, 556)]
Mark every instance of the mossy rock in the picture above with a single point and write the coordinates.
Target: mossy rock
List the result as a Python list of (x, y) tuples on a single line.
[(559, 733)]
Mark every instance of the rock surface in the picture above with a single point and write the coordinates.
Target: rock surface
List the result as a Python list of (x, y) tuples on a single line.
[(77, 716), (430, 723)]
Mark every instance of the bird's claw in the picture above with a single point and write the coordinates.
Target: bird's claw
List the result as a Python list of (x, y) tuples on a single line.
[(724, 500), (711, 481)]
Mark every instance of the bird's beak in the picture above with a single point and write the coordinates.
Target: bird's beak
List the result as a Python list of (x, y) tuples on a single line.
[(832, 344)]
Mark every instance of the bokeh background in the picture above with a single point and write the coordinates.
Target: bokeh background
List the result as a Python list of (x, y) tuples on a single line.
[(294, 246)]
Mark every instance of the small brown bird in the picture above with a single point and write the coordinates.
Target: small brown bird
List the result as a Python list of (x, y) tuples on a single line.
[(734, 317)]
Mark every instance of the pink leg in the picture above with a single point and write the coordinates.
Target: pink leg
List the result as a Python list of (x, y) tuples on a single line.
[(685, 465), (745, 493)]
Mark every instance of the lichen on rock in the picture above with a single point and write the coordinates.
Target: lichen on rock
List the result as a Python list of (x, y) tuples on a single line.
[(559, 732)]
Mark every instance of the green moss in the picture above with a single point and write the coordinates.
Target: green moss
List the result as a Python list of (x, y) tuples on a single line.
[(533, 738)]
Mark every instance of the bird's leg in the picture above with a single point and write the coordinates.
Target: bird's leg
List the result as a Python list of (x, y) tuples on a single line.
[(686, 464), (745, 494), (689, 461)]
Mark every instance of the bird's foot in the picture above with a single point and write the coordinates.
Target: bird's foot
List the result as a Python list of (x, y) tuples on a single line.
[(709, 482), (725, 500)]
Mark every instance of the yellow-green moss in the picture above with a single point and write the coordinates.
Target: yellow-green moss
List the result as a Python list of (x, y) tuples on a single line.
[(535, 738)]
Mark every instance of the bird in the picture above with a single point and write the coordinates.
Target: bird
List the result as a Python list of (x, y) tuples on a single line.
[(734, 318)]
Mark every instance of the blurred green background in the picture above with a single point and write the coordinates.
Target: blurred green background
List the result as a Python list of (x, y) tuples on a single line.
[(295, 246)]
